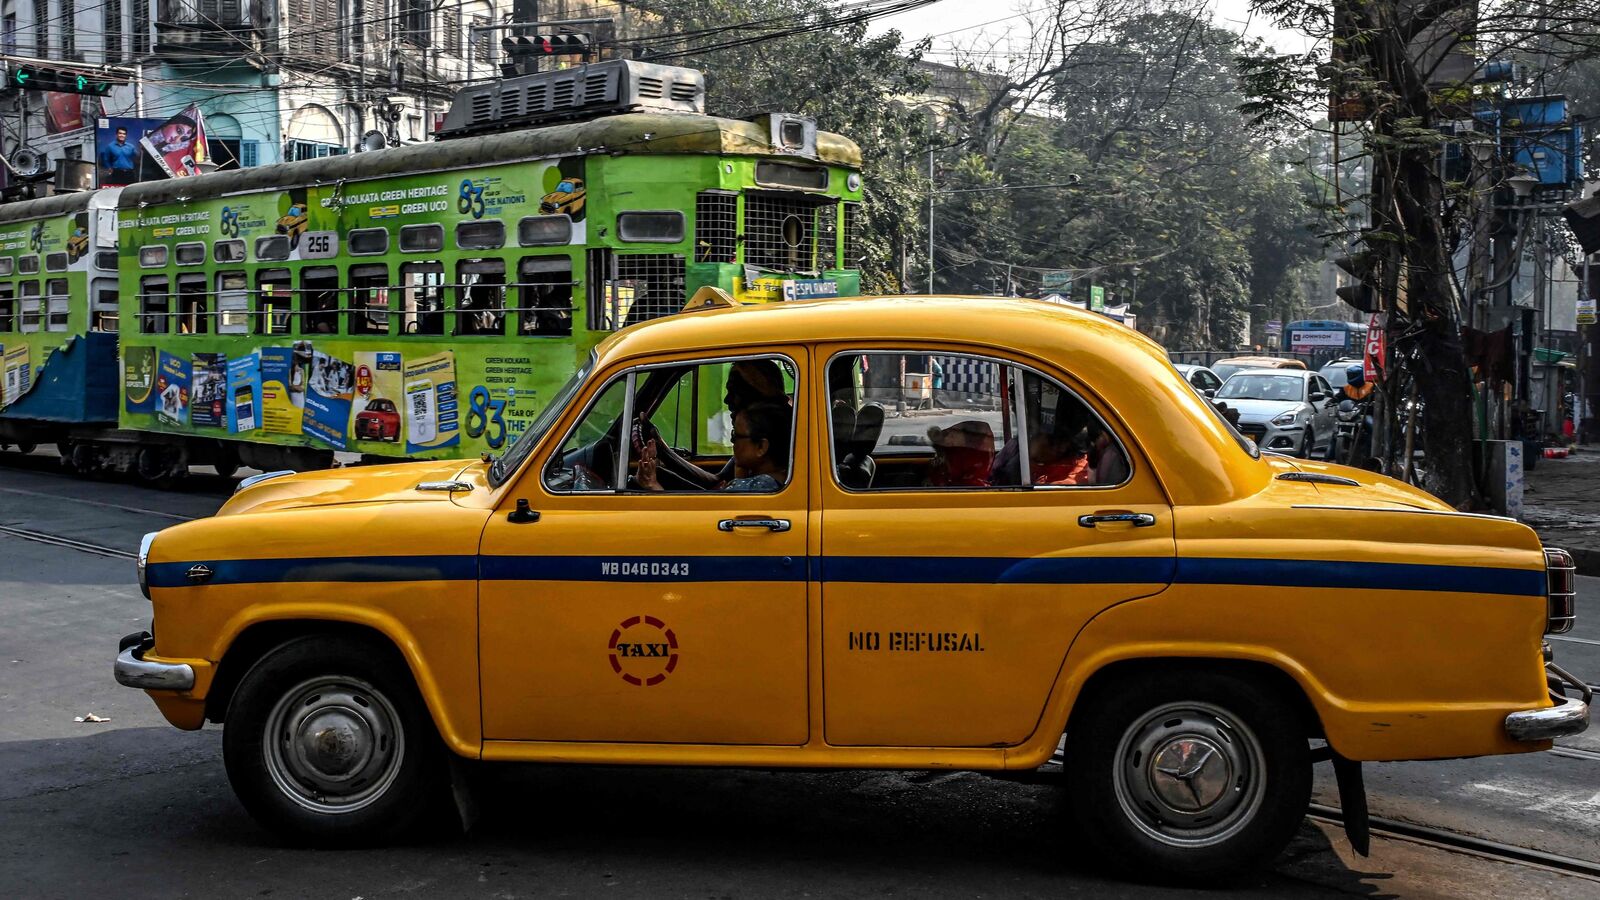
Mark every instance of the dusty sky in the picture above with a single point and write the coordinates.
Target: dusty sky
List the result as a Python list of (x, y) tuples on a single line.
[(961, 23)]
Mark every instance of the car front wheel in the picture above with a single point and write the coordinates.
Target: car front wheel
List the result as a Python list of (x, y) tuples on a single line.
[(327, 742), (1190, 776)]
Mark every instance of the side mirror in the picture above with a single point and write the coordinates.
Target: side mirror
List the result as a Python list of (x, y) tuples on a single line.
[(1209, 392), (1318, 396)]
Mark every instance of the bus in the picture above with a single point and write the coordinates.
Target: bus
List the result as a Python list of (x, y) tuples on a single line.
[(426, 301), (1325, 340)]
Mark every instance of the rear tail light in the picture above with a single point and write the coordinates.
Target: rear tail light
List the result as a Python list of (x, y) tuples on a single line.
[(1560, 575)]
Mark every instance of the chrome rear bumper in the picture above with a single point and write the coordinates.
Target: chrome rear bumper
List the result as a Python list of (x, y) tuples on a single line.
[(1567, 717), (133, 670)]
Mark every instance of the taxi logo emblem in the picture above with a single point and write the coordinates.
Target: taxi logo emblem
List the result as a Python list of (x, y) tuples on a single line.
[(643, 650), (199, 573)]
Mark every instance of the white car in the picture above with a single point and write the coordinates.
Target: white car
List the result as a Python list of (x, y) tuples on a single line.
[(1283, 410), (1200, 378)]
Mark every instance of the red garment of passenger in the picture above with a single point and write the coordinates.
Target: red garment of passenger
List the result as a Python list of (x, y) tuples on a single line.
[(962, 467), (1064, 471)]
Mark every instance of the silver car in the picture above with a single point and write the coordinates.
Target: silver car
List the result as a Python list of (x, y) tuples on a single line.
[(1201, 378), (1283, 410)]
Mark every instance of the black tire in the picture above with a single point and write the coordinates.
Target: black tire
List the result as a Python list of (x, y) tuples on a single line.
[(1306, 443), (1260, 798), (362, 691)]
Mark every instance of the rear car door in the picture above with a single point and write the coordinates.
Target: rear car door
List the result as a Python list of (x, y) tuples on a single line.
[(622, 614), (964, 543)]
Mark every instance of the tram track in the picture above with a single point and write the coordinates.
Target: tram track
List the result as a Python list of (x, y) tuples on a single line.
[(56, 540), (1460, 843), (97, 503)]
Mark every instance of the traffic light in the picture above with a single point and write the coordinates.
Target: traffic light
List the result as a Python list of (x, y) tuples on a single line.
[(546, 45), (36, 78), (1362, 267)]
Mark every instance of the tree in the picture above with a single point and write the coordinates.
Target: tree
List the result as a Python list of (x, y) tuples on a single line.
[(1385, 68)]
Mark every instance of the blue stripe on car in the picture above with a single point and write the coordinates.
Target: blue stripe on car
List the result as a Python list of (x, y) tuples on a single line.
[(1340, 574)]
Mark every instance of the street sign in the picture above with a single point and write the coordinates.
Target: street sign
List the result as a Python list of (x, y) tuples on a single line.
[(1274, 327), (36, 78), (1312, 339), (1056, 281), (1586, 311), (1097, 297)]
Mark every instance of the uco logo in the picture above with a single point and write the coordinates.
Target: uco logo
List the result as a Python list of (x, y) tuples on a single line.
[(644, 651)]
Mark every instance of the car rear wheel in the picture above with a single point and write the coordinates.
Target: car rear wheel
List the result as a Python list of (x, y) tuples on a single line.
[(1306, 441), (328, 742), (1188, 776)]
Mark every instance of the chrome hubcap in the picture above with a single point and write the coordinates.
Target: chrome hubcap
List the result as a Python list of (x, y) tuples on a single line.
[(333, 744), (1189, 774)]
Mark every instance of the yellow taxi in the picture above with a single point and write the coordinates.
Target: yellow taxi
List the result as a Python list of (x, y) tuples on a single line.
[(751, 537)]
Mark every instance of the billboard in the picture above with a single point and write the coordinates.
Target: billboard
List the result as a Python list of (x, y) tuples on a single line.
[(179, 144), (119, 161)]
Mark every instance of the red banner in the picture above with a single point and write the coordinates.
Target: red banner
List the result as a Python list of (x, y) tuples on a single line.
[(179, 144), (1375, 347)]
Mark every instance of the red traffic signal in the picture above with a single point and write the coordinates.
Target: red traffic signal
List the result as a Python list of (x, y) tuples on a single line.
[(546, 45)]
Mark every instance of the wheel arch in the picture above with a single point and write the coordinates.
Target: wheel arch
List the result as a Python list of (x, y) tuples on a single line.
[(246, 642), (1255, 670)]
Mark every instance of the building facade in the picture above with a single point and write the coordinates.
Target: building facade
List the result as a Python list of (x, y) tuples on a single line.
[(276, 80)]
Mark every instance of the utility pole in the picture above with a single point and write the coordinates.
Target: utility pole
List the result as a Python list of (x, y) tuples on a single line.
[(930, 220)]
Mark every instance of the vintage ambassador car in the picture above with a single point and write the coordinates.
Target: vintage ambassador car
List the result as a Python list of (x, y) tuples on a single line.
[(730, 540)]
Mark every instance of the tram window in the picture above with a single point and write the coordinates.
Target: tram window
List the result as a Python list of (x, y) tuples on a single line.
[(30, 306), (103, 314), (369, 241), (233, 303), (227, 251), (192, 295), (56, 296), (421, 238), (488, 234), (272, 301), (28, 265), (106, 259), (152, 257), (6, 263), (544, 231), (8, 307), (153, 307), (544, 286), (190, 254), (369, 300), (319, 298), (481, 296), (789, 175), (422, 303), (273, 246), (656, 226), (55, 262)]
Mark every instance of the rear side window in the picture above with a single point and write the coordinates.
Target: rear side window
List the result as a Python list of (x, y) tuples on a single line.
[(936, 421), (421, 238), (663, 226)]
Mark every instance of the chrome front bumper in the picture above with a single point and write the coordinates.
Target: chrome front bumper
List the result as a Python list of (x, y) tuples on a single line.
[(1567, 717), (133, 670)]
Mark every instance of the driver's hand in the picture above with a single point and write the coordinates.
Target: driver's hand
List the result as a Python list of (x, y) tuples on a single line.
[(647, 467), (641, 432)]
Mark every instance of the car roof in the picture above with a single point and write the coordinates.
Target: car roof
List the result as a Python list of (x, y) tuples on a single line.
[(1129, 371), (1303, 372), (1262, 362)]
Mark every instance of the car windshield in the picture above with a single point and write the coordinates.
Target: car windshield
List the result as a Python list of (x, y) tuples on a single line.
[(1263, 387), (564, 187), (513, 458), (1335, 373), (381, 405), (1223, 370)]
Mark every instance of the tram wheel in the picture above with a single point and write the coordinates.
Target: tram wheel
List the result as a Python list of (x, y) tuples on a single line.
[(156, 466), (25, 449)]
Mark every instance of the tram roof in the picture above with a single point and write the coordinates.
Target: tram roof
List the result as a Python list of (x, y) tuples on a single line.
[(652, 133), (45, 207)]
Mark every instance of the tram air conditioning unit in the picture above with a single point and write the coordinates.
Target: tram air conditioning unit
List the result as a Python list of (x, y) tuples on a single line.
[(582, 92)]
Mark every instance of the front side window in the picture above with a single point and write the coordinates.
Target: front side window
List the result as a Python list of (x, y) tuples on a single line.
[(319, 292), (369, 300), (649, 431), (193, 315), (8, 307)]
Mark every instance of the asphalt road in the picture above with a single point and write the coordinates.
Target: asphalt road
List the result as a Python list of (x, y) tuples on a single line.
[(134, 807)]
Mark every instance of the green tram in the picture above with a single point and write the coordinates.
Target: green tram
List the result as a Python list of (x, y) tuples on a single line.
[(426, 301)]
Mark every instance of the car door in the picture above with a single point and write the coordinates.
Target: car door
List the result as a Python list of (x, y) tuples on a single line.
[(952, 584), (1325, 410), (620, 614)]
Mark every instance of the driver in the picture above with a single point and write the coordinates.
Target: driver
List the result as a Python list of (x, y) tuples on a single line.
[(760, 451), (750, 381)]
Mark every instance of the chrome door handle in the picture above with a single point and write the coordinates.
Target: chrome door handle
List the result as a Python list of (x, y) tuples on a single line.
[(1139, 520), (768, 524)]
